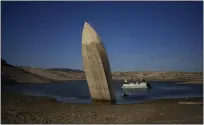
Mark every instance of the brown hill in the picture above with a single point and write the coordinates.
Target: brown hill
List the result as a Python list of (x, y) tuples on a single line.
[(39, 75), (11, 74), (196, 77)]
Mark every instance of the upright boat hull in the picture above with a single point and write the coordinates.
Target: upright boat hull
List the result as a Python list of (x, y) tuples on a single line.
[(96, 65)]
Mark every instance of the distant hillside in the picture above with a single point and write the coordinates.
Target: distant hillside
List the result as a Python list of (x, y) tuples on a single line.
[(57, 74), (66, 70), (38, 75), (4, 63), (196, 77), (12, 75)]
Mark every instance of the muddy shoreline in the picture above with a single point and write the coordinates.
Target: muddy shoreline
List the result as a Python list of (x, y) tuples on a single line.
[(20, 109)]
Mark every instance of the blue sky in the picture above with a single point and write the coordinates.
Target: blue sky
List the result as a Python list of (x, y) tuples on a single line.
[(138, 36)]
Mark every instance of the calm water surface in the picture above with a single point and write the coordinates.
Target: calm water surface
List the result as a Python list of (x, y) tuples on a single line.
[(78, 91)]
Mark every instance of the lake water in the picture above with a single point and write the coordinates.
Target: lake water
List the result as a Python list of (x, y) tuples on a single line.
[(78, 91)]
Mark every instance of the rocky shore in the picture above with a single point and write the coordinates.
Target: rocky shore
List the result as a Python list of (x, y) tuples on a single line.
[(21, 109), (31, 109)]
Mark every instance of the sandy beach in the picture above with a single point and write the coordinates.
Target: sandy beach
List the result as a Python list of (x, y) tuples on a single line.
[(32, 109)]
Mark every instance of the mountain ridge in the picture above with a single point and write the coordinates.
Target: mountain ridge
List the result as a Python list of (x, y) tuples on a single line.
[(21, 74)]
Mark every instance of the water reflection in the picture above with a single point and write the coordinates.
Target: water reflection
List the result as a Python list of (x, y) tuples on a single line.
[(130, 91), (78, 91)]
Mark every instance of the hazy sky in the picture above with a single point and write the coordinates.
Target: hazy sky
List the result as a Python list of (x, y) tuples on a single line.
[(138, 36)]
